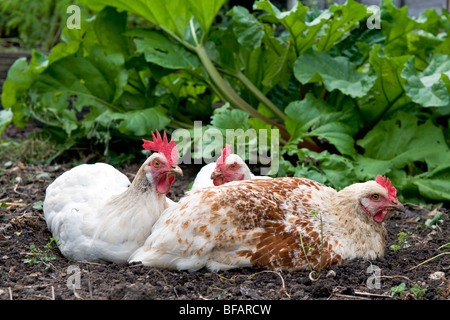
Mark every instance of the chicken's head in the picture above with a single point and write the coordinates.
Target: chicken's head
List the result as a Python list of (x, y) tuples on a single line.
[(379, 198), (229, 167), (161, 167)]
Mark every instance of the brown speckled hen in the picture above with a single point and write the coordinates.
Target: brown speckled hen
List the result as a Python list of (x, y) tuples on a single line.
[(283, 223)]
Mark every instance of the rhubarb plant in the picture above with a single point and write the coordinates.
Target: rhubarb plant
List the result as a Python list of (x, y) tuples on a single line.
[(350, 101)]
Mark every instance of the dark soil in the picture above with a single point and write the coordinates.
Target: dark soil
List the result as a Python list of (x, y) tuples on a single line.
[(49, 275)]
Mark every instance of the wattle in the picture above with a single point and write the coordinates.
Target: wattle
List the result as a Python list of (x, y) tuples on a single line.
[(379, 217), (165, 182)]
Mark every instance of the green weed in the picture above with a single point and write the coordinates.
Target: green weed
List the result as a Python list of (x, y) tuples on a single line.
[(402, 241), (401, 290), (44, 256), (313, 275)]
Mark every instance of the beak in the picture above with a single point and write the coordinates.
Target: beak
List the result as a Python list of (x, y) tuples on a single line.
[(216, 174), (176, 170), (397, 206)]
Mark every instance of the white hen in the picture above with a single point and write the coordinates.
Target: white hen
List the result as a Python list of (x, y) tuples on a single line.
[(97, 215), (229, 167)]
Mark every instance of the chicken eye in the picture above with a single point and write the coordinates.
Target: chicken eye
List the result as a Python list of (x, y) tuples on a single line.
[(156, 163), (375, 197), (233, 166)]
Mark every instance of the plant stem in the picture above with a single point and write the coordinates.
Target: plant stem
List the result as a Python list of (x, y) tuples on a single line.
[(260, 96), (180, 124), (230, 95), (321, 244), (304, 252), (428, 260), (194, 35)]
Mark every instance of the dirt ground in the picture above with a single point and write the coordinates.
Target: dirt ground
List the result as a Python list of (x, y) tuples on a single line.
[(31, 268)]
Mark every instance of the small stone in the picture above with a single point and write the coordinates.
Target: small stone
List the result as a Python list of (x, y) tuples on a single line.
[(331, 274), (438, 275)]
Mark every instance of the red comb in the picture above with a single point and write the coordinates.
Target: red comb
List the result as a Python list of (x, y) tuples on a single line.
[(161, 145), (385, 183), (225, 153)]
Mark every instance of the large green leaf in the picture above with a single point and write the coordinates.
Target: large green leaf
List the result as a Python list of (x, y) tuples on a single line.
[(261, 57), (279, 69), (313, 117), (159, 50), (302, 32), (99, 76), (18, 81), (109, 27), (106, 30), (399, 142), (303, 115), (387, 94), (395, 21), (444, 47), (248, 30), (336, 133), (429, 88), (71, 39), (205, 11), (6, 117), (17, 84), (142, 122), (344, 17), (435, 184), (21, 76), (330, 169), (227, 118), (396, 24), (335, 73), (96, 80), (172, 16)]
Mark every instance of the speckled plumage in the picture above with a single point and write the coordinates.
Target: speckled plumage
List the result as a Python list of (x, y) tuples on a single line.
[(259, 223)]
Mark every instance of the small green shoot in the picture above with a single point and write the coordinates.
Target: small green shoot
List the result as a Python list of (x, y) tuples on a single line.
[(402, 241), (399, 289), (38, 205), (435, 221), (417, 291), (43, 175), (42, 256), (314, 275)]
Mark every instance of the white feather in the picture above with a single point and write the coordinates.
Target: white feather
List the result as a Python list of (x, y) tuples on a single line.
[(96, 215), (203, 178)]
